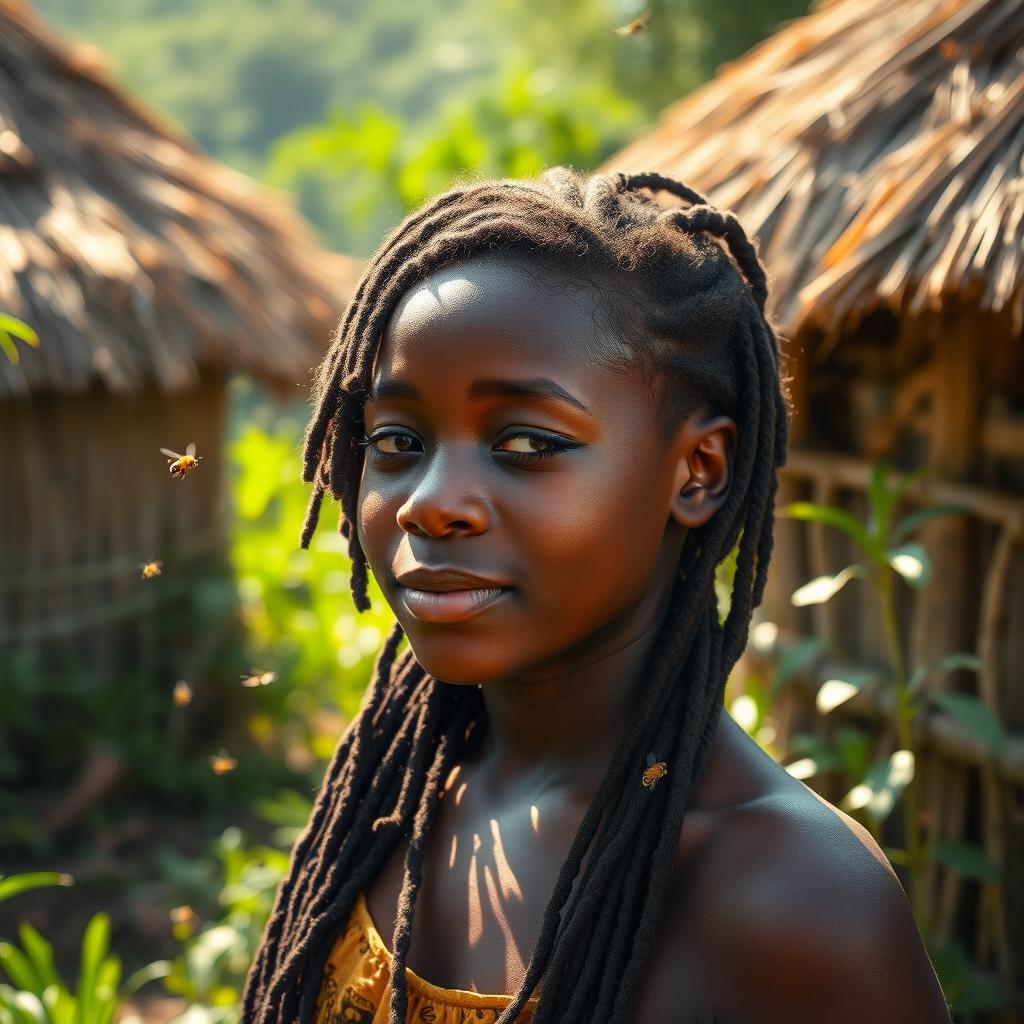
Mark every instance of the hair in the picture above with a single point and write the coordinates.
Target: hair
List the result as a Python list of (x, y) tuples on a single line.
[(695, 291)]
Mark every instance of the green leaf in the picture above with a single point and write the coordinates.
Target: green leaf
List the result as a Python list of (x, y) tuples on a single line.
[(10, 349), (11, 885), (107, 979), (840, 688), (975, 715), (854, 748), (40, 952), (151, 972), (12, 325), (961, 659), (923, 515), (951, 662), (912, 563), (917, 678), (882, 785), (910, 479), (61, 1004), (880, 502), (794, 659), (19, 968), (94, 949), (25, 1007), (822, 588), (837, 517), (968, 859)]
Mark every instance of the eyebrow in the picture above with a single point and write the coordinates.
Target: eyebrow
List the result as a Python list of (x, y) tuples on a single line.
[(534, 387)]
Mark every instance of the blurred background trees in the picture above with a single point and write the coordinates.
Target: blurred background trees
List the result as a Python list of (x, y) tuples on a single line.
[(362, 111)]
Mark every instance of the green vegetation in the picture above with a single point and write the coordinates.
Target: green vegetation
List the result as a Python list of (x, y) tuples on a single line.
[(363, 110)]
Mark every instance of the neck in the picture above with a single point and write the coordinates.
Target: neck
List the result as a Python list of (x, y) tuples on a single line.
[(558, 727)]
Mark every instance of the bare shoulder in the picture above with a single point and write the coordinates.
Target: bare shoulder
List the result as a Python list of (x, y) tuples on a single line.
[(806, 921)]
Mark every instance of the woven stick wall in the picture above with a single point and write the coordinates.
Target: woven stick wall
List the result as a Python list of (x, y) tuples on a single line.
[(874, 150)]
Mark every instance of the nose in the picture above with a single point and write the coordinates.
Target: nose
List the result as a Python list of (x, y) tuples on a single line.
[(443, 500)]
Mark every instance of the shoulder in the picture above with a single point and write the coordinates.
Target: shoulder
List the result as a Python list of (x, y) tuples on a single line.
[(806, 921)]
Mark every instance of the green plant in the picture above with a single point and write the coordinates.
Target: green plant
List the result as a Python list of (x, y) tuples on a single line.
[(11, 328), (11, 885), (211, 969), (889, 555), (38, 994)]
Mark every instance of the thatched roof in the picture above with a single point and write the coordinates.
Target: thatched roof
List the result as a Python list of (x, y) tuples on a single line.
[(136, 258), (875, 149)]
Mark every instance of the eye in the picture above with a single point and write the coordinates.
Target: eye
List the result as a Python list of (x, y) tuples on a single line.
[(393, 444), (530, 447), (526, 442)]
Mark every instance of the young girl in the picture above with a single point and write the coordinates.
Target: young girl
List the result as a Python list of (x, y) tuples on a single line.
[(551, 409)]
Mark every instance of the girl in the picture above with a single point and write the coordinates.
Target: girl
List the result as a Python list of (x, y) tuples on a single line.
[(551, 409)]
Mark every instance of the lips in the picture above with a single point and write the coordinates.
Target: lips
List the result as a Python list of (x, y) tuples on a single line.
[(447, 594)]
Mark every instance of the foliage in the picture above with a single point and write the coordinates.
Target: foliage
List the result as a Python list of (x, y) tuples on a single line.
[(11, 328), (888, 555), (295, 602), (364, 110), (12, 885), (211, 969), (356, 174), (38, 994)]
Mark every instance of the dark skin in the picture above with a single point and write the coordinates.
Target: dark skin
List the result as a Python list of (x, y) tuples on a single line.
[(780, 907)]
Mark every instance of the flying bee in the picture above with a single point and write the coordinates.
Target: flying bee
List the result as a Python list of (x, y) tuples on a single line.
[(182, 915), (222, 763), (635, 27), (258, 677), (182, 694), (150, 569), (182, 465), (654, 771)]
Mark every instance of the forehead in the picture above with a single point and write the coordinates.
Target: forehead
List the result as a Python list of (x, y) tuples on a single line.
[(495, 315)]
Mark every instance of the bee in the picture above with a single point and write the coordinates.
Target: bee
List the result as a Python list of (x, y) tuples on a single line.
[(182, 465), (182, 921), (258, 677), (182, 694), (222, 763), (635, 27), (182, 915), (655, 770), (150, 569)]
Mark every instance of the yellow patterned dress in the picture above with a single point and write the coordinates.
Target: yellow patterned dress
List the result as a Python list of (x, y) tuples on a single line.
[(356, 986)]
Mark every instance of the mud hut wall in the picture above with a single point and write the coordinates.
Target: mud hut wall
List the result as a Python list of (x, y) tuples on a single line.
[(87, 498)]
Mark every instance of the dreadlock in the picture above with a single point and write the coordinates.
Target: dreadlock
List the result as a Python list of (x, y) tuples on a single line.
[(696, 315)]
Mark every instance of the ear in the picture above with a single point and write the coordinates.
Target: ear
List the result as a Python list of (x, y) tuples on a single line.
[(703, 452)]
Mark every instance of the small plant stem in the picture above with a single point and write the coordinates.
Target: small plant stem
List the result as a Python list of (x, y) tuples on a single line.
[(904, 714)]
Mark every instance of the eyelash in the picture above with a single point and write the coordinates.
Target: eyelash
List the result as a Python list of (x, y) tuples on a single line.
[(557, 446)]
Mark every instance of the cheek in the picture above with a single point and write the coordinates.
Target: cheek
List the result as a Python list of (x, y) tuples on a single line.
[(593, 549), (375, 520)]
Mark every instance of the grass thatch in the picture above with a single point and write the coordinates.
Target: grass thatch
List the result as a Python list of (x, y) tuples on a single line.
[(875, 148), (138, 259)]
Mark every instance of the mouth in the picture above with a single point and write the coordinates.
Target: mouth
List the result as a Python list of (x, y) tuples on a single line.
[(445, 593), (450, 605)]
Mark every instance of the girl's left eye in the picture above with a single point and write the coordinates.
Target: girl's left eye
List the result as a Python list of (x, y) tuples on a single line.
[(526, 452)]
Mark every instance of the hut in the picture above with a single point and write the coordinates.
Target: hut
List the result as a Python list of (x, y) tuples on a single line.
[(875, 151), (151, 274)]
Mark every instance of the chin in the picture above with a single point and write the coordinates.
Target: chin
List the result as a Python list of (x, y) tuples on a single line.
[(458, 659)]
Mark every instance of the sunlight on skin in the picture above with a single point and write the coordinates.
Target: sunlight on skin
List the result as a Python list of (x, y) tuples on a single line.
[(535, 819), (514, 967), (506, 876), (476, 917)]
